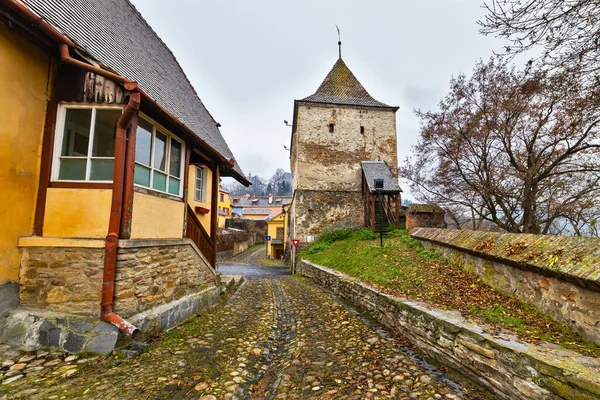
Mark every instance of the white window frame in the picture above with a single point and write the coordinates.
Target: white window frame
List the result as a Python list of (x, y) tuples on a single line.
[(170, 136), (59, 137), (200, 170)]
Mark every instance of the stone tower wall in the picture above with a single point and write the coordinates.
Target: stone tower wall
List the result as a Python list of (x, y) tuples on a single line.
[(331, 161), (326, 167)]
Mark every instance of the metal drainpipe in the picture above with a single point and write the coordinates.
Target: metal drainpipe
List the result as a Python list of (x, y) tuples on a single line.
[(114, 226)]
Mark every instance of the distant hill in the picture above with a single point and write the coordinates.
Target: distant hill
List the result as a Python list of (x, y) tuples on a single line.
[(280, 184)]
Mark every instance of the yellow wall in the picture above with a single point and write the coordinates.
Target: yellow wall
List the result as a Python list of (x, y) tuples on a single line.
[(156, 218), (255, 216), (226, 203), (272, 225), (77, 213), (23, 90), (204, 218)]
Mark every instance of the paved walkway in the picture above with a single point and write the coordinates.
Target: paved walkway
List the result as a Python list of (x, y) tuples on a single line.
[(278, 338)]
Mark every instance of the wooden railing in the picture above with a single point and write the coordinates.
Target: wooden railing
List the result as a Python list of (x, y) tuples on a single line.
[(198, 234)]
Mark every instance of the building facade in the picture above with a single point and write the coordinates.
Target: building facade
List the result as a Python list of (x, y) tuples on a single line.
[(333, 132), (108, 153)]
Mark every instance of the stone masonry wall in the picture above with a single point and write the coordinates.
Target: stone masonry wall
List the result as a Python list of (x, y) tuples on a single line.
[(62, 279), (317, 211), (558, 275), (331, 161), (154, 272), (510, 369)]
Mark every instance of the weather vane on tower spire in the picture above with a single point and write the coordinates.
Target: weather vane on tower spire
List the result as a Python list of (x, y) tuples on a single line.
[(339, 40)]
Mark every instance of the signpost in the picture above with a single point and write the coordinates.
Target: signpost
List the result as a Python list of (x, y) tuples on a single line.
[(295, 243), (267, 245)]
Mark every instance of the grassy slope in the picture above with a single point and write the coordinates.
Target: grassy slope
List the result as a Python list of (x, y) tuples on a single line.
[(404, 268)]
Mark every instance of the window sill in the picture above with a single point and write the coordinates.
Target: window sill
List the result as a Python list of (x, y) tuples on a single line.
[(80, 185), (151, 192)]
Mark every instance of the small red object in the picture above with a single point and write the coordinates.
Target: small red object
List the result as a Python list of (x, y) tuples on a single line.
[(295, 242), (201, 210)]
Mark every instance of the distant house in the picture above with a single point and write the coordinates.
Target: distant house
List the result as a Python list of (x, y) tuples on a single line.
[(277, 230), (259, 207), (224, 206), (110, 171)]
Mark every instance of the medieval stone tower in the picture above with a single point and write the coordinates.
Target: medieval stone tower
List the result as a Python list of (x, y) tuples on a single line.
[(336, 132)]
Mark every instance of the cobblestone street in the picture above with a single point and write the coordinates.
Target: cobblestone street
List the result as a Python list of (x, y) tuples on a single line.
[(275, 338)]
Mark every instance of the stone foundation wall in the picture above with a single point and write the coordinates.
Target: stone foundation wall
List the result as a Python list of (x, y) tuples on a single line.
[(558, 279), (62, 279), (508, 368), (148, 273), (155, 272), (9, 300), (314, 212)]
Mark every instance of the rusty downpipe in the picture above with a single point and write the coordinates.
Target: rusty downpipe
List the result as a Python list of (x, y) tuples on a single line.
[(114, 226)]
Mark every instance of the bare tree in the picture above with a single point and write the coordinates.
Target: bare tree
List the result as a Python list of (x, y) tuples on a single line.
[(568, 31), (520, 149)]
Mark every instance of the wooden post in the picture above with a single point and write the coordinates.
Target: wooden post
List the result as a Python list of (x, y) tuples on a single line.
[(127, 211), (186, 182), (214, 210), (372, 213), (397, 211), (45, 167)]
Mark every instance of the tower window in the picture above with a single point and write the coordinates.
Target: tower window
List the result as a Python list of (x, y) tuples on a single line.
[(331, 128), (362, 129)]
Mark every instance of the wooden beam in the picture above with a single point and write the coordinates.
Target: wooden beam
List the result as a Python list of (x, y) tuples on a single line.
[(214, 211), (127, 211), (45, 167), (397, 211), (186, 182)]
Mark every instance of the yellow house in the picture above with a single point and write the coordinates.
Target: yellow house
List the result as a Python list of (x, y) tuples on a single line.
[(224, 206), (277, 229), (111, 162)]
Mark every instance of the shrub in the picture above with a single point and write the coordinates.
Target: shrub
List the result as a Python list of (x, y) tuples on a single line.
[(333, 236), (366, 234)]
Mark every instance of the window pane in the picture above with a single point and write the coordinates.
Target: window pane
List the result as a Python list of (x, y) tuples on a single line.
[(198, 184), (143, 142), (175, 161), (72, 169), (160, 156), (77, 132), (102, 170), (159, 182), (105, 133), (174, 186), (141, 175)]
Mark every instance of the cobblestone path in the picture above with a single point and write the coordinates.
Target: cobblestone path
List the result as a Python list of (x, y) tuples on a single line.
[(274, 339)]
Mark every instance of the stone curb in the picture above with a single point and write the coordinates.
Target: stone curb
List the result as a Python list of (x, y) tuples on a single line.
[(507, 367)]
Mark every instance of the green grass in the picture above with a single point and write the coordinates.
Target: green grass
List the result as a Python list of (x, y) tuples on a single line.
[(405, 268)]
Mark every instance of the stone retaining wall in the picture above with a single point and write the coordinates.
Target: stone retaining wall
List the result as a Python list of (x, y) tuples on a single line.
[(510, 369), (154, 272), (62, 279), (559, 275)]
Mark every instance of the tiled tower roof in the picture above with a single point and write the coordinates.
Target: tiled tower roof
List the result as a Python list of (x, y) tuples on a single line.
[(341, 87)]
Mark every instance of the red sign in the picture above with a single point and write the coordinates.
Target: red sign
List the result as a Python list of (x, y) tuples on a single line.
[(295, 242)]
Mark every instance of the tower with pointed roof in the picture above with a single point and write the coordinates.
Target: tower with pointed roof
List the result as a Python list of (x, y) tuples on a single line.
[(336, 132)]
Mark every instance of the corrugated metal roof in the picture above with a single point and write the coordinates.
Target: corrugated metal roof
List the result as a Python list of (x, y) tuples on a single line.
[(341, 87), (115, 34), (376, 170)]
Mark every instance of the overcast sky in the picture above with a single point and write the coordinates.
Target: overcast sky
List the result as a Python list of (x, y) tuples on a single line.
[(249, 60)]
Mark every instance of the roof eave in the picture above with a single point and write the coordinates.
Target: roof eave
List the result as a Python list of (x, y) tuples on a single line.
[(384, 107)]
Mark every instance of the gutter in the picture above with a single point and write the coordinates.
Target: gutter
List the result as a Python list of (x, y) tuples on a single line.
[(114, 225)]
